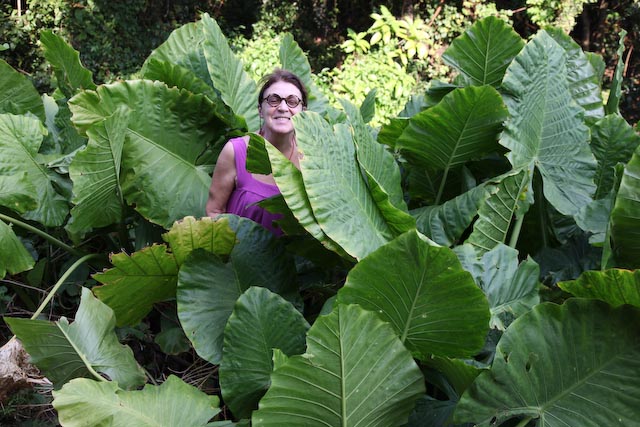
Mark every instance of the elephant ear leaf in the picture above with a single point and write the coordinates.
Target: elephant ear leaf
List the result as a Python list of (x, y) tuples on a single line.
[(260, 322), (496, 213), (613, 103), (85, 348), (625, 221), (159, 171), (463, 126), (553, 364), (19, 96), (183, 47), (383, 173), (584, 83), (546, 129), (83, 402), (433, 304), (614, 286), (292, 58), (337, 191), (484, 51), (14, 257), (331, 385), (95, 172), (20, 141), (71, 76), (227, 73), (136, 282)]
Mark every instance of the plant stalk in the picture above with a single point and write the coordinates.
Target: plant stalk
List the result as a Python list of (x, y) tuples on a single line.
[(42, 234), (524, 422), (539, 192), (60, 282), (441, 189), (515, 233)]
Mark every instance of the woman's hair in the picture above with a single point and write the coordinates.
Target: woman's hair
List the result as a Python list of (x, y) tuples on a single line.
[(280, 75)]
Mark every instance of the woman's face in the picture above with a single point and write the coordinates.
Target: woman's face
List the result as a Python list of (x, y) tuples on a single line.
[(277, 119)]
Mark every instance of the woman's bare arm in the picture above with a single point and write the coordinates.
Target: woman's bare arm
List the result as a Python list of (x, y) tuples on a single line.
[(222, 182)]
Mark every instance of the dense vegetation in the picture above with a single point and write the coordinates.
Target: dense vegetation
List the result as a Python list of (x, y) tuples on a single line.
[(469, 258), (399, 42)]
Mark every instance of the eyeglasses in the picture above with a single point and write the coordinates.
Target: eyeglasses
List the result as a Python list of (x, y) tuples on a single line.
[(274, 100)]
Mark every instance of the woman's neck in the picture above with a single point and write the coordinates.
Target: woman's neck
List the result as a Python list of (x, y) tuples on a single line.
[(283, 142)]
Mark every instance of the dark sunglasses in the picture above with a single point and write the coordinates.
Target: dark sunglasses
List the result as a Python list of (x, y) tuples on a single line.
[(274, 100)]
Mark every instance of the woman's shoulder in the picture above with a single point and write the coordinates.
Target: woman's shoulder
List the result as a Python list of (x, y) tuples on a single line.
[(244, 138)]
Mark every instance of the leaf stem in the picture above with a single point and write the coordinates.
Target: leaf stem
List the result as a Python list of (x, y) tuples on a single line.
[(524, 422), (60, 282), (42, 234), (539, 193), (513, 240), (441, 189)]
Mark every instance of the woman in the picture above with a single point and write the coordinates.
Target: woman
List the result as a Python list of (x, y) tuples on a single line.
[(235, 190)]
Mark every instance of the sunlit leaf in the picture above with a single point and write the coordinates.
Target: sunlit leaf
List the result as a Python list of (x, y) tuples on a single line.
[(64, 351), (433, 304), (546, 128), (173, 403), (338, 382), (136, 282)]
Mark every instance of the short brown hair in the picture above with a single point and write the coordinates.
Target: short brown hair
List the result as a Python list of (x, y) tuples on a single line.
[(280, 75)]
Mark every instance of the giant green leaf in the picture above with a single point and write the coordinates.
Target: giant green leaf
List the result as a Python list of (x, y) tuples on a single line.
[(572, 365), (498, 210), (511, 288), (546, 129), (462, 127), (484, 51), (339, 197), (20, 140), (204, 233), (433, 304), (177, 75), (17, 93), (613, 103), (625, 216), (183, 47), (14, 257), (71, 76), (614, 286), (260, 259), (17, 191), (584, 83), (168, 129), (208, 287), (291, 186), (173, 403), (355, 372), (613, 141), (227, 73), (293, 59), (136, 282), (65, 351), (95, 172), (207, 291), (383, 173), (260, 322), (445, 223)]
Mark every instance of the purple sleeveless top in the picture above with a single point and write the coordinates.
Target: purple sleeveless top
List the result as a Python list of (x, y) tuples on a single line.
[(249, 191)]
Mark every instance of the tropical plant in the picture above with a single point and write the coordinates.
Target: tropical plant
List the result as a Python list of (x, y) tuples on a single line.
[(406, 290)]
